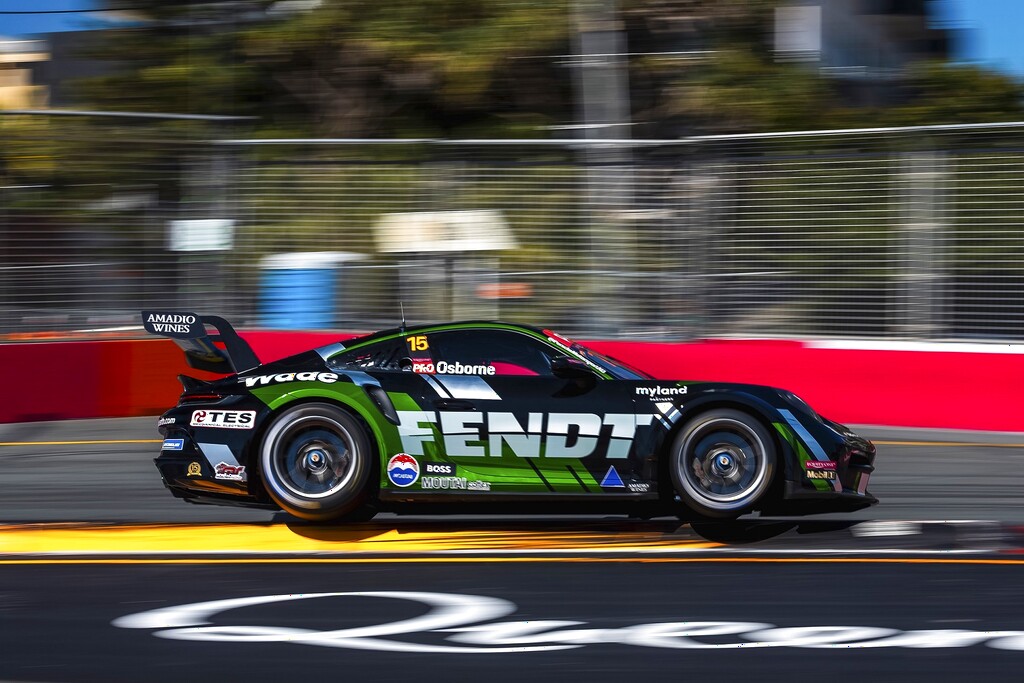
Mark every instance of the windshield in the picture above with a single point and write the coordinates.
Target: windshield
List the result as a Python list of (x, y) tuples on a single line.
[(615, 368)]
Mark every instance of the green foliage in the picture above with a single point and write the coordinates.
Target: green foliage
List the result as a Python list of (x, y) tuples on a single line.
[(347, 68), (462, 68), (940, 92)]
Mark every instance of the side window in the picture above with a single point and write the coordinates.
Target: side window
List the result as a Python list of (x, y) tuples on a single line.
[(489, 352), (384, 355)]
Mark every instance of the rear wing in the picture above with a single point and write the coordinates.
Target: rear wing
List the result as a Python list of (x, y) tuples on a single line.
[(188, 330)]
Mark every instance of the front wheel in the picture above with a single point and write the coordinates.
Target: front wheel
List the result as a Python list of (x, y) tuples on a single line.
[(722, 463), (316, 460)]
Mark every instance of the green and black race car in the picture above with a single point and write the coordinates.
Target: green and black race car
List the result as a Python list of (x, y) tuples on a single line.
[(435, 418)]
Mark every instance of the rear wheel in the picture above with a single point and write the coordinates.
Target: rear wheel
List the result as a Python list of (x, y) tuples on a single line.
[(722, 463), (316, 460)]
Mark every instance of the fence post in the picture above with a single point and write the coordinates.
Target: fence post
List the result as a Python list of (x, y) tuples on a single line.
[(921, 244)]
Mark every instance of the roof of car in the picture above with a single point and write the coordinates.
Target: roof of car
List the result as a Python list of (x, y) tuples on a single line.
[(438, 327)]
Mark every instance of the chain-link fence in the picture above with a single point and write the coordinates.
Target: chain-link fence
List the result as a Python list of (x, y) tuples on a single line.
[(899, 233)]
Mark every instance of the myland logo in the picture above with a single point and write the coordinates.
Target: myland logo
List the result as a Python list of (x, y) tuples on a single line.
[(656, 392)]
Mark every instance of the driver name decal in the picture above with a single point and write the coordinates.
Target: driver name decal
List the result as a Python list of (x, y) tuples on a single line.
[(445, 368)]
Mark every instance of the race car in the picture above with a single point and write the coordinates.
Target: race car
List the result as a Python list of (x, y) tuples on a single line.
[(438, 417)]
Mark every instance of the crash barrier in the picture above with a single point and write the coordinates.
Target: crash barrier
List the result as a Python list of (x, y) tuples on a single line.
[(952, 386)]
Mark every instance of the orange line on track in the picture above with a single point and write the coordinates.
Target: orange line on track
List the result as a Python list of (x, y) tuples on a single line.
[(279, 538), (463, 560)]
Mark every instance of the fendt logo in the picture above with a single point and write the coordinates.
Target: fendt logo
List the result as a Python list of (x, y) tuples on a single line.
[(548, 435), (224, 419)]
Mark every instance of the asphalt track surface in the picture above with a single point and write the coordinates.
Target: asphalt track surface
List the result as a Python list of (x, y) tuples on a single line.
[(595, 621), (91, 544)]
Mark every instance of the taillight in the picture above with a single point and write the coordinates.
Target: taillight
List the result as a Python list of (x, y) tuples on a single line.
[(195, 398), (195, 390)]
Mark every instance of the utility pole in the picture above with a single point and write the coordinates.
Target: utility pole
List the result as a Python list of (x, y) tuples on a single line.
[(603, 110)]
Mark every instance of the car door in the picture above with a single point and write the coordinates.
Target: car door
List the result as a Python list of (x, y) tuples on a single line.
[(508, 423)]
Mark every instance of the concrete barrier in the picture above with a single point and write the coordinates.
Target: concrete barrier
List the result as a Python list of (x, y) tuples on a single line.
[(953, 386)]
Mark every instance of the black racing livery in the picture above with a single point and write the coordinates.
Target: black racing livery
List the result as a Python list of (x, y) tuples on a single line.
[(438, 417)]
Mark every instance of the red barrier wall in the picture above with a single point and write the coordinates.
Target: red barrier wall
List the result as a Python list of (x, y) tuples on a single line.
[(912, 388), (953, 389)]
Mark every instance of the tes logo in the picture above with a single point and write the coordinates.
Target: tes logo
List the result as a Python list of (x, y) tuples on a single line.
[(224, 419)]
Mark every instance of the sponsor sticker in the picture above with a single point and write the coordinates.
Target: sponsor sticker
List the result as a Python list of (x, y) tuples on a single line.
[(453, 484), (820, 465), (444, 483), (558, 339), (638, 486), (821, 469), (612, 480), (660, 393), (442, 367), (172, 323), (229, 472), (164, 421), (194, 469), (557, 435), (173, 445), (224, 419), (439, 468), (264, 380), (403, 470)]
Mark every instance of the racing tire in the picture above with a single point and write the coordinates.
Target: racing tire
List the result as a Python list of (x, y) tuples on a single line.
[(317, 460), (722, 463)]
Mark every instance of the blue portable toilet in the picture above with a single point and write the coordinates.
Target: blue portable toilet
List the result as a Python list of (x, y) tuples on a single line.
[(299, 290)]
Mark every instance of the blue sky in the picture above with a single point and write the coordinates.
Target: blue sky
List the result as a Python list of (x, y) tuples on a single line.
[(993, 36), (22, 24), (993, 31)]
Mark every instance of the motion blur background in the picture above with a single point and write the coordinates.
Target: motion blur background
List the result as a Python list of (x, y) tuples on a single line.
[(631, 169)]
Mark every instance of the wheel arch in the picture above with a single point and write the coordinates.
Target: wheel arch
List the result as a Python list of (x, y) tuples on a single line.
[(366, 414), (294, 399)]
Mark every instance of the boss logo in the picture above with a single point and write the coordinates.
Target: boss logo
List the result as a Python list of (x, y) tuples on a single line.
[(440, 468)]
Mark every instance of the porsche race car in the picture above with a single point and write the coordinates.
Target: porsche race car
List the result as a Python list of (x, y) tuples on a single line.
[(438, 417)]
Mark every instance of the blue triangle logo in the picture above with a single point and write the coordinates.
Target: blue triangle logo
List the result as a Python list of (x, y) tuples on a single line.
[(612, 480)]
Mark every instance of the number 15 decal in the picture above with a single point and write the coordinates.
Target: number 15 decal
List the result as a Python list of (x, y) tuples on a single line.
[(417, 343)]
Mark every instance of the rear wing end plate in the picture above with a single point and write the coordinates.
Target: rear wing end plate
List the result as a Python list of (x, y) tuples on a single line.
[(188, 330)]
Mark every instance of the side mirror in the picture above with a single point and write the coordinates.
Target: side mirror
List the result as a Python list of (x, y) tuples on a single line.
[(564, 367)]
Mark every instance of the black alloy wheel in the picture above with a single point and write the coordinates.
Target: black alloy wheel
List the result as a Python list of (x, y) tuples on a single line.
[(316, 461), (722, 463)]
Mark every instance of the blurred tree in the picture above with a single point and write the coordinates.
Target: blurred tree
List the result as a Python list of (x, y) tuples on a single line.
[(942, 92), (363, 68), (343, 68), (725, 78)]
